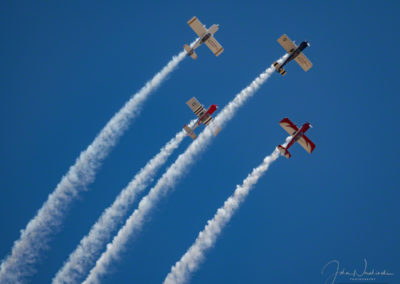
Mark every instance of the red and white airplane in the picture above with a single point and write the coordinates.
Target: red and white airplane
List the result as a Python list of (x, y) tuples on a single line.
[(297, 136), (204, 116)]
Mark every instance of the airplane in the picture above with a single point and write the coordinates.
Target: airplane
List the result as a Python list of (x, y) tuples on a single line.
[(205, 36), (204, 116), (297, 136), (295, 53)]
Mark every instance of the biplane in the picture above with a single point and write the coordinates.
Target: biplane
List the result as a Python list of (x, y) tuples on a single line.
[(205, 36)]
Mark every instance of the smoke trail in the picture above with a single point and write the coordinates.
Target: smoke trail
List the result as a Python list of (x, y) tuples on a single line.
[(171, 176), (36, 236), (190, 261), (89, 248)]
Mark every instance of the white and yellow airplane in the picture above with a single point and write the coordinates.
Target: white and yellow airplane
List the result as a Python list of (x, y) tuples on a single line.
[(205, 36), (295, 52)]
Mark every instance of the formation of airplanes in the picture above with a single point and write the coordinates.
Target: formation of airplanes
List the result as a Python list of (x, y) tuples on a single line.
[(204, 116)]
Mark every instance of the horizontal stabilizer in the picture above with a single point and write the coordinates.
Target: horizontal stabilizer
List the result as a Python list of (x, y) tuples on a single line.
[(190, 51), (190, 132), (284, 151), (193, 55), (279, 69)]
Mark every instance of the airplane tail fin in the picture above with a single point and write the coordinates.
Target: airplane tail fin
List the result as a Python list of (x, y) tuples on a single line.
[(190, 51), (279, 68), (284, 151), (190, 132)]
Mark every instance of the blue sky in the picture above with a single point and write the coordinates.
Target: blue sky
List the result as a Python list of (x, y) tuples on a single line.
[(68, 67)]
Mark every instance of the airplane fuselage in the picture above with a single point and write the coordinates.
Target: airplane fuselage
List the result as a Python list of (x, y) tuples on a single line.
[(207, 114), (205, 37), (201, 40), (209, 33), (295, 53), (298, 134)]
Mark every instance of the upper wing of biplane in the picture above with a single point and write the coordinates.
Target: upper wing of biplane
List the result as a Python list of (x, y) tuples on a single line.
[(303, 61), (289, 126), (214, 45), (306, 143), (197, 26), (196, 107), (287, 44)]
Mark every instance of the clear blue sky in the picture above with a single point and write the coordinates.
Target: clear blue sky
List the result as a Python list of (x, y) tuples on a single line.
[(67, 67)]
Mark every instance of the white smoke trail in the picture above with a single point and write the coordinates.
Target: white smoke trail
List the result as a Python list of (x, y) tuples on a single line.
[(171, 176), (89, 248), (190, 261), (36, 236), (84, 256)]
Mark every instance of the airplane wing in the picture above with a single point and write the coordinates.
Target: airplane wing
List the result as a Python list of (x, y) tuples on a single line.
[(196, 107), (289, 126), (287, 44), (306, 143), (303, 61), (197, 26), (214, 45)]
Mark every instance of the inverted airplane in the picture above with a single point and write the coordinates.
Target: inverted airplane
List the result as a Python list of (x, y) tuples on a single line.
[(295, 52), (297, 136), (204, 116), (205, 36)]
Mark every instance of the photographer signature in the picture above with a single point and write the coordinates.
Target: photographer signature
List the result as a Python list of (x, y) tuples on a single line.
[(353, 275)]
